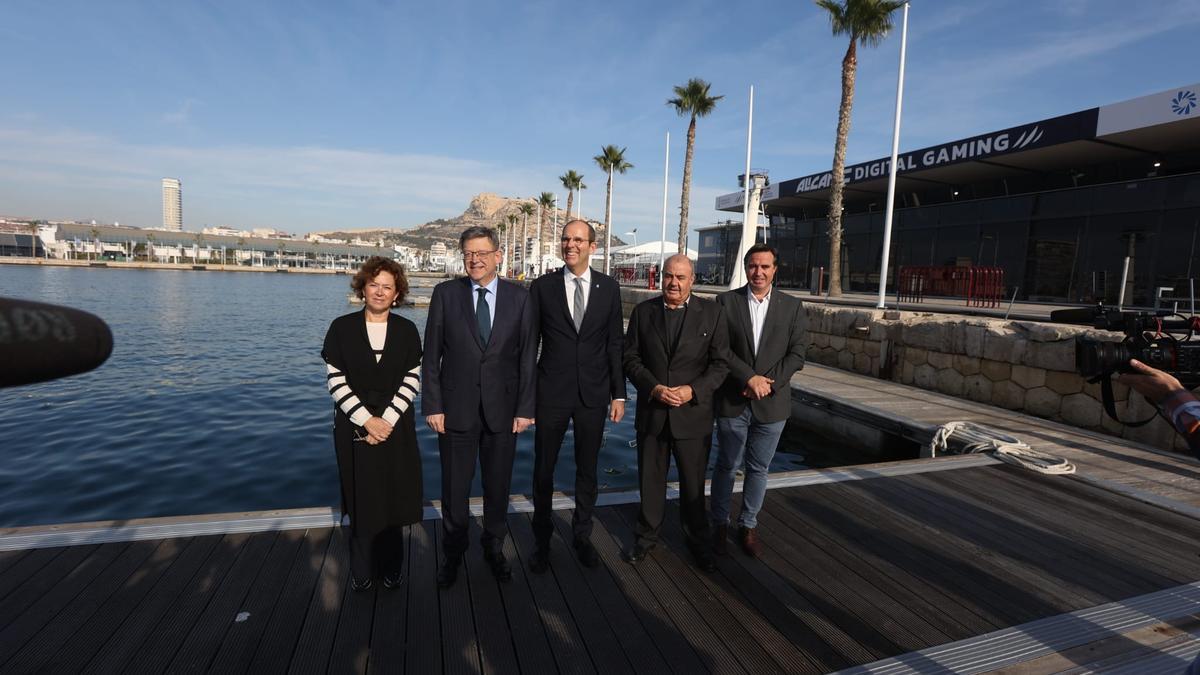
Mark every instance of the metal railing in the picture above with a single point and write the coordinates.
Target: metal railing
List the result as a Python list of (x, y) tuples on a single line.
[(979, 286)]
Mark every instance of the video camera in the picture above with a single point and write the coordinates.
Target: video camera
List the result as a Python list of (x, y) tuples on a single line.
[(1160, 339)]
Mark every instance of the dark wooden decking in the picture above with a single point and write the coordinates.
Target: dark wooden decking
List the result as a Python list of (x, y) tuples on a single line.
[(1169, 479), (853, 572)]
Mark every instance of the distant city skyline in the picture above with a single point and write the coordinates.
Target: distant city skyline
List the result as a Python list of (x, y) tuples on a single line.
[(310, 117)]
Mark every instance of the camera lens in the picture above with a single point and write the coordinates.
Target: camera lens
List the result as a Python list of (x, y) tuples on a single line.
[(1094, 357)]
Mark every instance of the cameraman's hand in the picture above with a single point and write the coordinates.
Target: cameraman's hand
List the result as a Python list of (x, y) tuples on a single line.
[(1152, 383)]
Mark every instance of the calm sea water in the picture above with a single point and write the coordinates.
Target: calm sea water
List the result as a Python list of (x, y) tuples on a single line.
[(212, 401)]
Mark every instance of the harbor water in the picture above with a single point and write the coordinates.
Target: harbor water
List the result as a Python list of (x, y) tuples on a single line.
[(213, 401)]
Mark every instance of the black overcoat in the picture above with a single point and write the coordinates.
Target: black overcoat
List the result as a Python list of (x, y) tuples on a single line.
[(381, 484)]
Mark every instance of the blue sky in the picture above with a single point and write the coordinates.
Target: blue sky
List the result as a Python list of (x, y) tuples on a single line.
[(315, 115)]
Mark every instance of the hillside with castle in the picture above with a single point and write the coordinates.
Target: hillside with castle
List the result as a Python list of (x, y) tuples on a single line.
[(486, 209)]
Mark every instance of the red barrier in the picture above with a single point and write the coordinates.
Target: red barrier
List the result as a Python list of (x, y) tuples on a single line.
[(980, 286)]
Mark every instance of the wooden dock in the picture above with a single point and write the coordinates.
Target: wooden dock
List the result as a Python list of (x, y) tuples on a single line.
[(955, 564), (1167, 478)]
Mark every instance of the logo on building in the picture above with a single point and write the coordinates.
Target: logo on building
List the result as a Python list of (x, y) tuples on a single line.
[(1028, 138), (1183, 103)]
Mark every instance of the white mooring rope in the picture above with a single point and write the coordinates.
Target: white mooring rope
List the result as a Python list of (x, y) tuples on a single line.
[(964, 438)]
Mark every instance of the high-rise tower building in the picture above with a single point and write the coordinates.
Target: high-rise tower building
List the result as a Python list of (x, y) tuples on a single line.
[(172, 195)]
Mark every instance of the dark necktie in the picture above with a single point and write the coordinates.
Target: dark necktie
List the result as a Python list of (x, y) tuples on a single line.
[(577, 310), (483, 316)]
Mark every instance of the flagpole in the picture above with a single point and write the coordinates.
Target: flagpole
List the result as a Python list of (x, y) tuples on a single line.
[(662, 243), (737, 277), (891, 190)]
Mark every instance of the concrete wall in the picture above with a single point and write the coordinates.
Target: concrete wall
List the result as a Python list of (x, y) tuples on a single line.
[(1019, 365)]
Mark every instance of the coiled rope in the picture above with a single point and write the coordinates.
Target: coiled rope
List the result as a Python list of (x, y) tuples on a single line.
[(965, 438)]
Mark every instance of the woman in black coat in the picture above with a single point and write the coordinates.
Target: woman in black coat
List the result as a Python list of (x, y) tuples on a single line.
[(373, 365)]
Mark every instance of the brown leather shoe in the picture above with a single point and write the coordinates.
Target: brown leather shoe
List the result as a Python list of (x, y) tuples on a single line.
[(720, 539), (751, 544)]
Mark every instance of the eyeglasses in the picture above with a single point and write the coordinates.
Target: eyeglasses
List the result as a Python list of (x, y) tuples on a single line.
[(576, 240), (477, 255)]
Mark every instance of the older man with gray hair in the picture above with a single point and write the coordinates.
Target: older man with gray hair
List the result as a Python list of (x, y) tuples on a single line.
[(676, 354)]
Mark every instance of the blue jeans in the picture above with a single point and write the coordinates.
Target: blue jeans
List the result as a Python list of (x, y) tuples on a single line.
[(739, 437)]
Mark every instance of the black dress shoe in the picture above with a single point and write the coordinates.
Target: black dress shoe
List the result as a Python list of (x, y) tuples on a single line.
[(720, 539), (636, 554), (393, 580), (499, 564), (704, 561), (448, 574), (540, 561), (587, 553), (361, 585)]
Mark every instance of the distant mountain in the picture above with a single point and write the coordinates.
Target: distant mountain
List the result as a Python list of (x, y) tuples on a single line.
[(486, 209)]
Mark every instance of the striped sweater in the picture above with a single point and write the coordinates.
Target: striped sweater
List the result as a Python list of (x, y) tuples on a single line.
[(347, 401)]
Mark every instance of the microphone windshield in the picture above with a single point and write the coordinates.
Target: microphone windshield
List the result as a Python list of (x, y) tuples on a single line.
[(42, 342)]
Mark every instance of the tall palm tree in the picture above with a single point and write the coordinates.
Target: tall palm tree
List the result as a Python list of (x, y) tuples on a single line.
[(503, 230), (546, 201), (866, 22), (571, 181), (610, 159), (95, 232), (32, 226), (527, 210), (512, 224), (691, 100)]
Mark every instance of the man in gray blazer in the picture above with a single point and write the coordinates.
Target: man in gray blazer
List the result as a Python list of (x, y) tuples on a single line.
[(766, 343)]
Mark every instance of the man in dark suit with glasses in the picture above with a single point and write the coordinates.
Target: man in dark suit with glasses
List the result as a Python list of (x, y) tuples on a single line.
[(478, 375), (579, 381)]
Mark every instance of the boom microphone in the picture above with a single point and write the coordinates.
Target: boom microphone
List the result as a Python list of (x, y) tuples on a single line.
[(42, 342), (1081, 315)]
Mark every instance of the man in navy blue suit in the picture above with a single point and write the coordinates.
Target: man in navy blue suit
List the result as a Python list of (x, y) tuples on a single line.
[(478, 375), (579, 380)]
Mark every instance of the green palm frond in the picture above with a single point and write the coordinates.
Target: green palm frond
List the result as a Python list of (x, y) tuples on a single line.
[(693, 99)]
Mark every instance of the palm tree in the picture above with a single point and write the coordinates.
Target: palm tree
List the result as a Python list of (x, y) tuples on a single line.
[(866, 22), (546, 201), (33, 237), (149, 246), (502, 229), (95, 232), (527, 210), (691, 100), (571, 181), (610, 159), (512, 224)]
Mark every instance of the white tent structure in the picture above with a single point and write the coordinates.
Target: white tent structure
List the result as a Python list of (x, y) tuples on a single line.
[(642, 253)]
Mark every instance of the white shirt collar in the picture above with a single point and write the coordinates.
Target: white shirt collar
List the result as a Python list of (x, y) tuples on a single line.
[(586, 276), (491, 287), (752, 298)]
